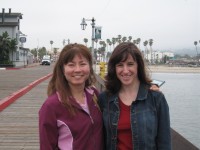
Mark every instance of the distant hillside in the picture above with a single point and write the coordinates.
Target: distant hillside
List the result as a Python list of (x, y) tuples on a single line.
[(182, 52), (190, 52)]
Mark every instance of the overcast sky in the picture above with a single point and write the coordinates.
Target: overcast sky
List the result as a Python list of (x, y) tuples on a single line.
[(172, 24)]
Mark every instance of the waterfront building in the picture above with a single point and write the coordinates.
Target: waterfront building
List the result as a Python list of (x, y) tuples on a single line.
[(159, 57), (10, 23)]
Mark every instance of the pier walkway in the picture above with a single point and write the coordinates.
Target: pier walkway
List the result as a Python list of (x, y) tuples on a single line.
[(19, 119)]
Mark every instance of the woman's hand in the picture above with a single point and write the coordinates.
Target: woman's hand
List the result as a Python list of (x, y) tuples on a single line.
[(154, 87)]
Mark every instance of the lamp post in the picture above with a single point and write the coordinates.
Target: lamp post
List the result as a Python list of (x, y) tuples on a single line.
[(83, 26)]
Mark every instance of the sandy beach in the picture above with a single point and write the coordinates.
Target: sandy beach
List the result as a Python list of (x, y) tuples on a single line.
[(172, 69)]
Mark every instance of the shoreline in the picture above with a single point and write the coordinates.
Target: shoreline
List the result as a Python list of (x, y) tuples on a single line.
[(171, 69)]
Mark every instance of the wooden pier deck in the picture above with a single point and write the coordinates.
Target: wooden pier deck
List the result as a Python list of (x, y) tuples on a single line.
[(19, 121)]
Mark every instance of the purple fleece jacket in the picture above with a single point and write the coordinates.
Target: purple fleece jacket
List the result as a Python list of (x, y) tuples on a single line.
[(61, 130)]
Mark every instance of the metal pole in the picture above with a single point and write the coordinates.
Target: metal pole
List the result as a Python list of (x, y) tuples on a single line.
[(83, 25), (93, 38)]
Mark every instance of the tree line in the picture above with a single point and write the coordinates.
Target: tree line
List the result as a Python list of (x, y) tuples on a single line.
[(108, 45)]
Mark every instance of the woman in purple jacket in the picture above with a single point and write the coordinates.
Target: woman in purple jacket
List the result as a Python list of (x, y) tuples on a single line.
[(70, 118)]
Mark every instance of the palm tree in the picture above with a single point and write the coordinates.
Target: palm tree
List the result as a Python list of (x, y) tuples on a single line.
[(51, 42), (108, 55), (138, 42), (195, 44), (129, 38), (55, 51), (99, 49), (150, 44), (119, 39), (134, 41), (103, 50), (63, 42), (41, 52), (107, 41), (4, 48), (113, 42), (124, 39), (85, 41), (110, 43), (100, 42), (146, 49)]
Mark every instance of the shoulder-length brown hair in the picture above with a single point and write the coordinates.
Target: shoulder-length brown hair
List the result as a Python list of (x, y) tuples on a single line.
[(119, 54), (58, 82)]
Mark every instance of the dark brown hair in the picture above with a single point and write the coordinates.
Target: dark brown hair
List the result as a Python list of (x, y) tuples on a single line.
[(119, 54), (58, 82)]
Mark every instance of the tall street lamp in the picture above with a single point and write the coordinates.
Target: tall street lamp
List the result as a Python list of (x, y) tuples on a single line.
[(83, 26)]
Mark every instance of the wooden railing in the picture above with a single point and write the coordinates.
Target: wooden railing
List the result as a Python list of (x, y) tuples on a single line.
[(178, 141)]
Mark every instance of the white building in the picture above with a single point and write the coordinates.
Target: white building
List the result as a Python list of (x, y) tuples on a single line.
[(10, 22), (157, 57), (168, 54)]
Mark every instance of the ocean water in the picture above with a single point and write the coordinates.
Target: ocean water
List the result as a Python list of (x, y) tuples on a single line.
[(182, 91)]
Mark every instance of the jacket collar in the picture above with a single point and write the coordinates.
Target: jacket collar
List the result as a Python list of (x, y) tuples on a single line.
[(142, 94), (143, 91), (89, 92)]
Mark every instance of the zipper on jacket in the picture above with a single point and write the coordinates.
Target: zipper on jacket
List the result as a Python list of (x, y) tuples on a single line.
[(91, 119)]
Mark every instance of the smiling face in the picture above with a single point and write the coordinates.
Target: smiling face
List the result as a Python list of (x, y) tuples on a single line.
[(126, 71), (77, 71)]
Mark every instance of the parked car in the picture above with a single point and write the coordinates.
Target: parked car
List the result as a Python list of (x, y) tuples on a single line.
[(46, 60)]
